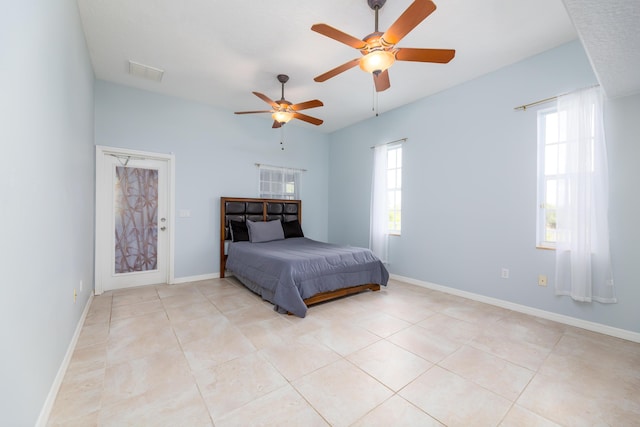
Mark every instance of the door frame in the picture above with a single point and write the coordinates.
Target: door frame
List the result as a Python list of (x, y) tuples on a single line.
[(103, 212)]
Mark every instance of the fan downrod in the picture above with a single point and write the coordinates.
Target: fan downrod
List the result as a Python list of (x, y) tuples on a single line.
[(283, 78), (376, 5)]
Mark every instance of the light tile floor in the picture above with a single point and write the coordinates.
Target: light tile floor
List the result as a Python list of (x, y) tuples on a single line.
[(213, 353)]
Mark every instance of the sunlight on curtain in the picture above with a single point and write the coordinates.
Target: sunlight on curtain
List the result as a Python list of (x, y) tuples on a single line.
[(583, 264), (378, 237)]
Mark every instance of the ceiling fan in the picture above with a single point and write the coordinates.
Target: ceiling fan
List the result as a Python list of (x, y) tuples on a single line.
[(283, 110), (379, 49)]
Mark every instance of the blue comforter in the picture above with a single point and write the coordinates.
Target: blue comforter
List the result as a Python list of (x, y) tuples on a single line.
[(291, 270)]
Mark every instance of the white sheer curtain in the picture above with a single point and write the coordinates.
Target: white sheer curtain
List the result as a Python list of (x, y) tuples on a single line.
[(378, 237), (583, 264)]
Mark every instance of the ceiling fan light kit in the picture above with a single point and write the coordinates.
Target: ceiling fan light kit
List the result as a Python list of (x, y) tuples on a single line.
[(282, 117), (377, 61), (379, 49)]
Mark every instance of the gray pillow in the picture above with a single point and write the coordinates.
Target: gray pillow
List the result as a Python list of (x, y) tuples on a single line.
[(261, 231)]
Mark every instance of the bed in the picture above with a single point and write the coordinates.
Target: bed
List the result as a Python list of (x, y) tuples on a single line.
[(263, 246)]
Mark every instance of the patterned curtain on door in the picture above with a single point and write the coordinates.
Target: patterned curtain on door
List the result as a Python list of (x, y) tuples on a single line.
[(136, 219)]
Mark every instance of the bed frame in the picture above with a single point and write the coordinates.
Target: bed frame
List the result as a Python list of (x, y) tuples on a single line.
[(243, 208)]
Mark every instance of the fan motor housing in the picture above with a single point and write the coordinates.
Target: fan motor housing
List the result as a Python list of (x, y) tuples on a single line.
[(373, 4)]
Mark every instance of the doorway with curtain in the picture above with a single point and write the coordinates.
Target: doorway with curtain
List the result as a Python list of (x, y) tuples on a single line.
[(134, 227)]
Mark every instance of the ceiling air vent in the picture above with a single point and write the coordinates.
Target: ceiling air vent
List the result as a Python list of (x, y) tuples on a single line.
[(145, 71)]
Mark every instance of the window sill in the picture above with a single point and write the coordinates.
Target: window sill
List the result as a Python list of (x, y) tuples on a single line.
[(547, 248), (395, 234)]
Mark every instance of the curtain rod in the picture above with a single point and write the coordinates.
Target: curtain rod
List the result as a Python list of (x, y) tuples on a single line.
[(392, 142), (280, 167), (553, 98), (126, 158)]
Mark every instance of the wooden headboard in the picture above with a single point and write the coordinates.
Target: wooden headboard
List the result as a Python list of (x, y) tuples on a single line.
[(243, 208)]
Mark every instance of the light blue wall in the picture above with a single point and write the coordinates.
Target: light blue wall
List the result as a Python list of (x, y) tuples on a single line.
[(469, 187), (215, 153), (623, 141), (46, 197)]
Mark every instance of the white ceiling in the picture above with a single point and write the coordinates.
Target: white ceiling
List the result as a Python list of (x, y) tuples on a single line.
[(610, 33), (218, 52)]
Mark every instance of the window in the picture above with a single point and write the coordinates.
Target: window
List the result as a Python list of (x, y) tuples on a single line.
[(552, 173), (394, 188), (279, 182), (552, 151)]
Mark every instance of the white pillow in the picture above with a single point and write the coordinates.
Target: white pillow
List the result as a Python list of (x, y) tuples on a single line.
[(261, 231)]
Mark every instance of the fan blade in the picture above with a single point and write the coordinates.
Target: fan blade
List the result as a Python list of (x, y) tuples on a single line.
[(309, 104), (337, 70), (308, 119), (441, 56), (266, 99), (276, 124), (334, 33), (415, 14), (253, 112), (381, 81)]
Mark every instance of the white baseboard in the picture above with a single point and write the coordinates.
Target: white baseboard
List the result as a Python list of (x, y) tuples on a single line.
[(560, 318), (43, 418), (195, 278)]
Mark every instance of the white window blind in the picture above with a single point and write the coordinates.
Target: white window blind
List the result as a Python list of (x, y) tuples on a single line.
[(278, 182)]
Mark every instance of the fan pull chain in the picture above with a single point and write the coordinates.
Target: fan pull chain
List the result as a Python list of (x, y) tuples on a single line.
[(374, 100), (282, 137)]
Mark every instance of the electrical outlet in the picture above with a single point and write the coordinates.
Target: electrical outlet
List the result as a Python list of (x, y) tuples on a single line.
[(542, 280), (75, 295), (505, 273)]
